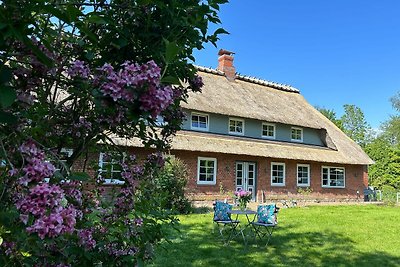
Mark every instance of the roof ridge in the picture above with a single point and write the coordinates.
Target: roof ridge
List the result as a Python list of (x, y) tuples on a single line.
[(280, 86)]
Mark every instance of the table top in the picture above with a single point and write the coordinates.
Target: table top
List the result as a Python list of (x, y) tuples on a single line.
[(242, 212)]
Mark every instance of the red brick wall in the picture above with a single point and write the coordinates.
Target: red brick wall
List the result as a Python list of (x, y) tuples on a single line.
[(356, 176)]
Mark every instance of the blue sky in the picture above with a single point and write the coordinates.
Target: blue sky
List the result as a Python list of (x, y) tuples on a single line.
[(336, 52)]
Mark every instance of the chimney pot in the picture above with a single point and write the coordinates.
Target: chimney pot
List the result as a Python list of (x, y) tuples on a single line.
[(225, 64)]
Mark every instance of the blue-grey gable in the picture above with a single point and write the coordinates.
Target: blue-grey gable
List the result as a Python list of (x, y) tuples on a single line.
[(219, 124)]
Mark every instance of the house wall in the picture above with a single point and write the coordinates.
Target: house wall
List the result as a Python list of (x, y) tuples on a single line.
[(356, 177), (253, 128)]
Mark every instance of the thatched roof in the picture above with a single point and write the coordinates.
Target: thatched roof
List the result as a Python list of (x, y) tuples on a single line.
[(266, 101)]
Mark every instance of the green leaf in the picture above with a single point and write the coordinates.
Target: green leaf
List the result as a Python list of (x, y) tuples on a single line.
[(171, 51), (92, 37), (170, 80), (7, 118), (79, 176), (39, 53), (220, 31), (96, 19), (7, 96), (57, 12), (5, 74)]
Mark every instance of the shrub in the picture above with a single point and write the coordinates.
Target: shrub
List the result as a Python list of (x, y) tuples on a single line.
[(171, 183)]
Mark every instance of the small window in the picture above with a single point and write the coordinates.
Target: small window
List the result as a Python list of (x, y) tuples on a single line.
[(333, 177), (303, 175), (297, 134), (268, 130), (207, 171), (277, 174), (236, 126), (199, 122), (110, 169), (160, 121), (65, 153)]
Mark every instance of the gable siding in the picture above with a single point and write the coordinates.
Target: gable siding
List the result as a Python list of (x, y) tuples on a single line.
[(252, 128)]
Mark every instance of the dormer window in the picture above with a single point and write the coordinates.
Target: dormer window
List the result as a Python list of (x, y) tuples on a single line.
[(236, 126), (297, 134), (268, 130), (199, 122)]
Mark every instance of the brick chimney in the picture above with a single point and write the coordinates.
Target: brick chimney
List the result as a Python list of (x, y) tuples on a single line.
[(225, 64)]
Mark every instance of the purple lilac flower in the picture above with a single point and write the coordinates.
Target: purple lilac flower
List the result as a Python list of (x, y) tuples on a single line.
[(40, 198), (196, 83), (115, 249), (156, 159), (156, 99), (8, 247), (139, 221), (79, 69), (119, 85), (54, 224), (86, 239)]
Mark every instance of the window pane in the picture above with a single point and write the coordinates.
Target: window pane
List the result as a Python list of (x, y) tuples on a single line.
[(210, 163)]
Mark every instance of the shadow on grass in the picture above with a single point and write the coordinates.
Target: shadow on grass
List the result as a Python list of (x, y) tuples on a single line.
[(201, 210), (195, 245)]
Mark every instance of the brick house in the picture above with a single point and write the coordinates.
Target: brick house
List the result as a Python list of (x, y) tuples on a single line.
[(261, 136)]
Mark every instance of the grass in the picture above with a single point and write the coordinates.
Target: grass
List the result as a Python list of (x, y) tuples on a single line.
[(307, 236)]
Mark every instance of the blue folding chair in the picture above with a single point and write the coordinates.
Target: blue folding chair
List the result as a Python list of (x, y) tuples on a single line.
[(222, 218), (266, 221)]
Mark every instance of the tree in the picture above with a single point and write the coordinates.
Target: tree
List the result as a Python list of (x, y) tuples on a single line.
[(386, 170), (331, 115), (73, 73), (355, 125)]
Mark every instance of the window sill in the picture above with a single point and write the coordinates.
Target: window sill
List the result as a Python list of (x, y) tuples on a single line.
[(199, 129), (202, 183), (339, 187), (278, 185)]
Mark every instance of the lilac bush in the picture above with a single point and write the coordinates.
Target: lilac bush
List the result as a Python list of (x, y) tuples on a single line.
[(72, 75)]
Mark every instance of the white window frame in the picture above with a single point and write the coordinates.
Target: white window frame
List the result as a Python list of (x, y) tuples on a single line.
[(301, 135), (108, 181), (308, 175), (200, 115), (329, 173), (214, 182), (284, 173), (262, 130), (229, 126)]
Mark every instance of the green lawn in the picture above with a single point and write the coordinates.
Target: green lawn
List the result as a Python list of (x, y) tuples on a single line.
[(306, 236)]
